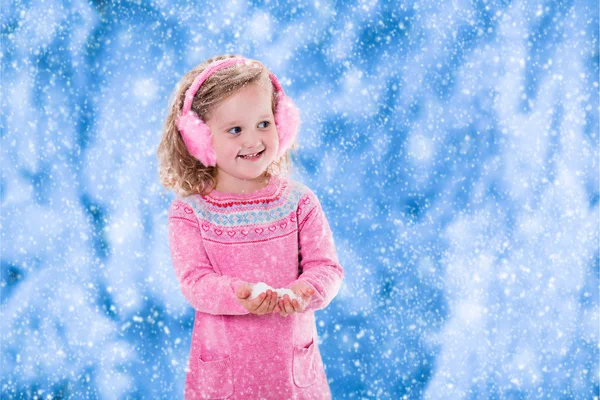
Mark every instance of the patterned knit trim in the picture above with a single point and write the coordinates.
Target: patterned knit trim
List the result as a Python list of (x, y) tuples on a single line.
[(236, 209), (247, 214), (250, 234), (261, 200), (252, 223), (251, 241)]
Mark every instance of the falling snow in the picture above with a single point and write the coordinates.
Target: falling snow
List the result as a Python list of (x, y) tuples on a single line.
[(453, 146)]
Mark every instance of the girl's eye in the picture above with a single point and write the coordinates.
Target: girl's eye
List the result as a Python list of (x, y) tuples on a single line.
[(236, 130), (264, 124)]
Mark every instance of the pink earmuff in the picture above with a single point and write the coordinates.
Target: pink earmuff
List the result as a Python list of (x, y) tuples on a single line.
[(196, 134)]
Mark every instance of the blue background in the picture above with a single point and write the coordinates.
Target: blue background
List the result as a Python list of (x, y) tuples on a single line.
[(453, 146)]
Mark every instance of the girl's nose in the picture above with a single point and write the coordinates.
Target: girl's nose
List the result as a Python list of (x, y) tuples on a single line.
[(252, 138)]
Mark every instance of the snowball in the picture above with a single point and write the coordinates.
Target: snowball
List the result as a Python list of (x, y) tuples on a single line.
[(262, 287)]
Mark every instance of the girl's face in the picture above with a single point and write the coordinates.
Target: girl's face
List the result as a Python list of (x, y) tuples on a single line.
[(243, 124)]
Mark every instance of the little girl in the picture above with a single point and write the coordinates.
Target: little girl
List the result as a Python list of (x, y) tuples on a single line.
[(236, 222)]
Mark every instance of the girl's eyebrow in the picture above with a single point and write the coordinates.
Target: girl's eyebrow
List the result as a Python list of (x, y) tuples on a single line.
[(228, 124), (236, 122)]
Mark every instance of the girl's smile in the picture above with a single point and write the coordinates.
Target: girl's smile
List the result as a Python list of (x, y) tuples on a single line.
[(252, 156)]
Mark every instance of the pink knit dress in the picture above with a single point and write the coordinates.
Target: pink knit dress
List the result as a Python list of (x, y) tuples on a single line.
[(277, 235)]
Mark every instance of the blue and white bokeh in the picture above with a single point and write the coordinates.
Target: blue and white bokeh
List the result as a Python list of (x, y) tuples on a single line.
[(453, 146)]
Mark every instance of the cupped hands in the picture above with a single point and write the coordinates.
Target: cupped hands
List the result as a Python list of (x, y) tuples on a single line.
[(292, 306), (268, 302), (265, 303)]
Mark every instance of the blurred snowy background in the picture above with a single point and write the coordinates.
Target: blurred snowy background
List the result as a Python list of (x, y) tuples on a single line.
[(453, 145)]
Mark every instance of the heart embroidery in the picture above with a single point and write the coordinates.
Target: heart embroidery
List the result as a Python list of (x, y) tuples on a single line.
[(231, 233), (205, 227), (244, 232), (218, 232), (188, 210), (272, 228), (258, 230), (306, 200), (283, 225), (293, 217)]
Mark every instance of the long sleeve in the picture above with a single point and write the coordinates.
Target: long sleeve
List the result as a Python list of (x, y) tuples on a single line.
[(205, 289), (319, 261)]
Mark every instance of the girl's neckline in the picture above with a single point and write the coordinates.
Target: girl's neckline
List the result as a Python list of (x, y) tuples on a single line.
[(266, 191)]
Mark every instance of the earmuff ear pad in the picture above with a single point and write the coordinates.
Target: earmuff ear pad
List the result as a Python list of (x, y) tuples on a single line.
[(197, 138), (287, 120)]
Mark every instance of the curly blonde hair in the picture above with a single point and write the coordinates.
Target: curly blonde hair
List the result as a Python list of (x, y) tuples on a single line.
[(178, 169)]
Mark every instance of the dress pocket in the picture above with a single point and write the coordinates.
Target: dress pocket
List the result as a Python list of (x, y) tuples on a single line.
[(215, 379), (304, 365)]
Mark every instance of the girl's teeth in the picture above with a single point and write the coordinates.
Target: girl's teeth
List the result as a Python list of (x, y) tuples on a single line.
[(250, 155)]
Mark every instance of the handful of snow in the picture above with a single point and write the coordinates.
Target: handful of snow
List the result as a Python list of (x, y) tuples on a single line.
[(262, 287)]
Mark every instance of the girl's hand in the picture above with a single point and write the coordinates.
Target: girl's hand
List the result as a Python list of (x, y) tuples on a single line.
[(304, 292), (265, 303)]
